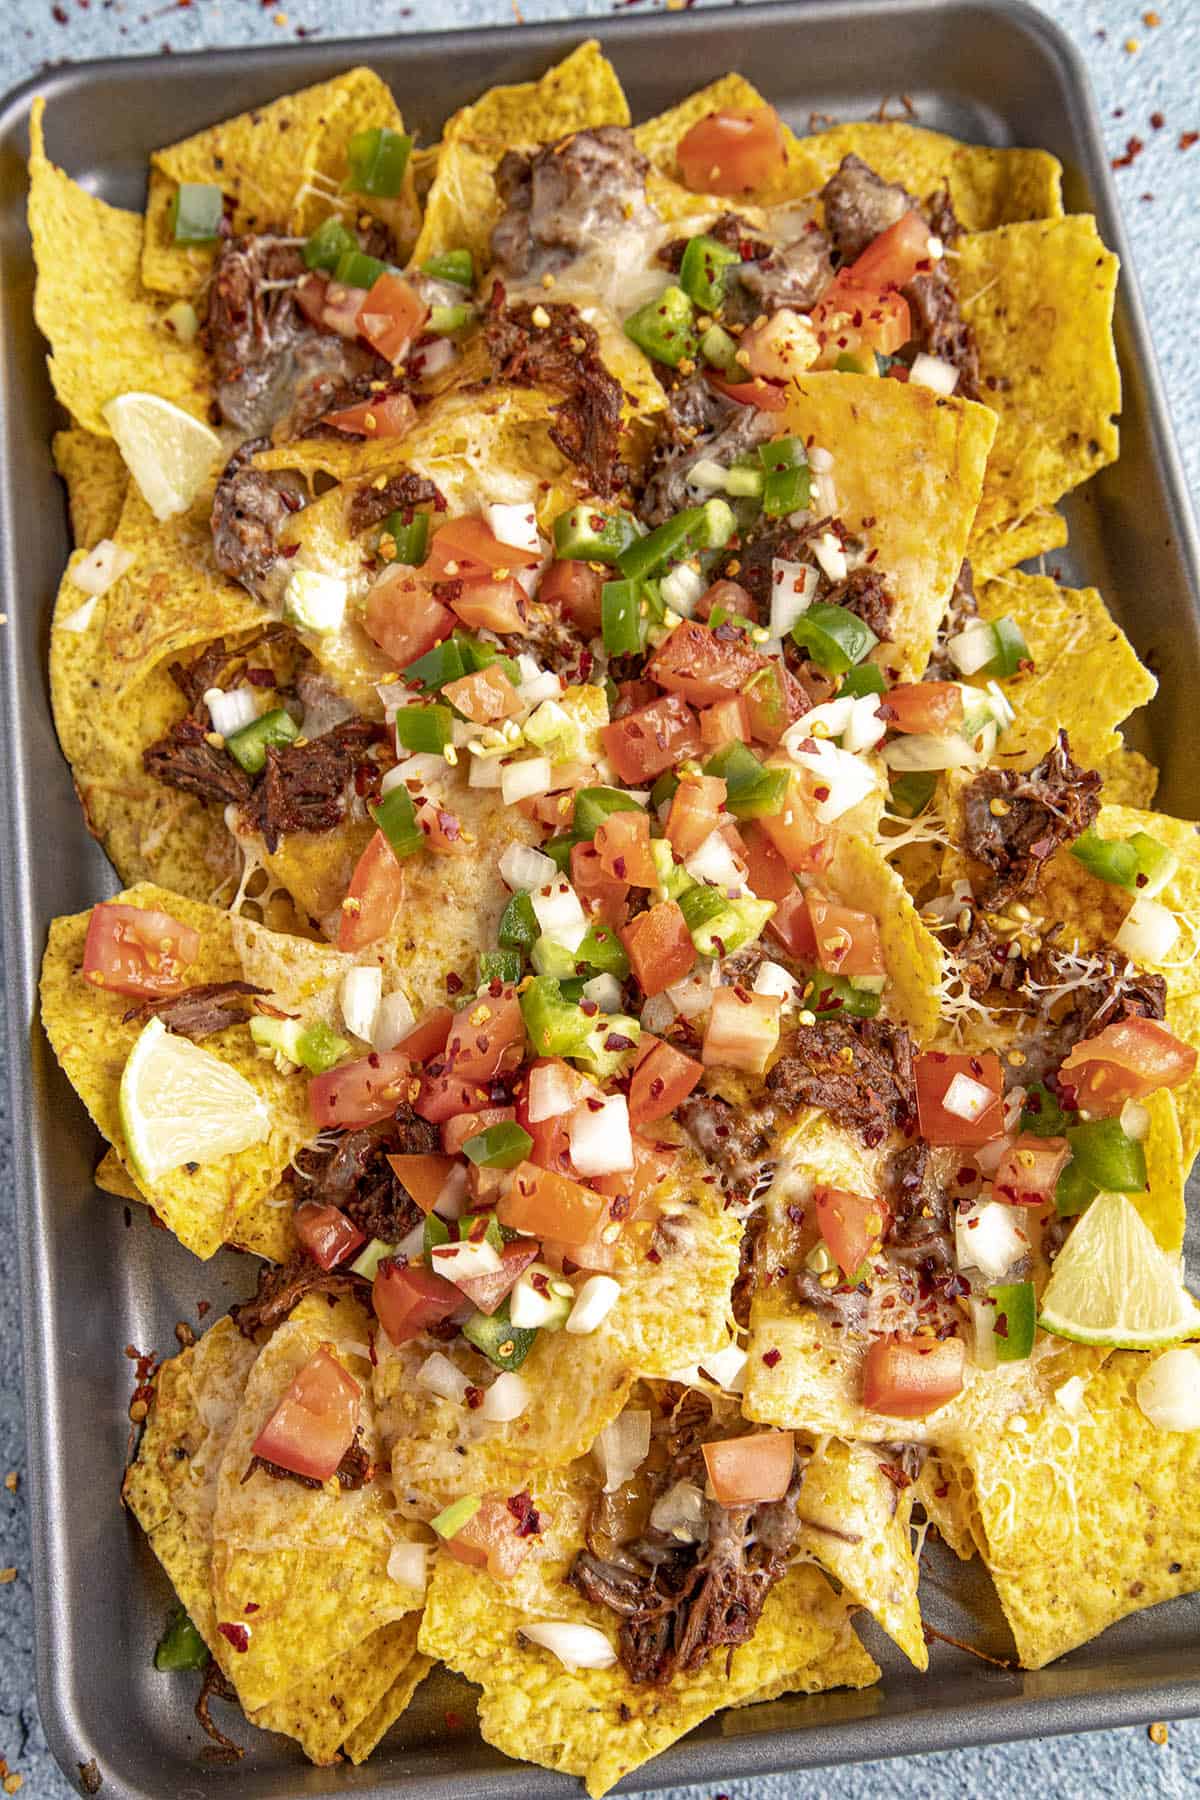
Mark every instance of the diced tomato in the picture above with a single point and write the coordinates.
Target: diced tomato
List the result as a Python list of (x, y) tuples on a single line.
[(575, 587), (403, 617), (443, 828), (445, 1094), (631, 695), (136, 951), (659, 946), (490, 1541), (492, 604), (792, 924), (895, 256), (733, 151), (1126, 1061), (327, 1235), (341, 309), (851, 1225), (623, 846), (662, 1077), (422, 1176), (743, 1030), (908, 1377), (770, 877), (375, 897), (654, 738), (746, 1470), (392, 317), (779, 347), (849, 320), (544, 1203), (756, 393), (466, 549), (391, 416), (487, 1037), (487, 1291), (427, 1038), (551, 1147), (1028, 1172), (730, 595), (462, 1126), (774, 700), (795, 830), (651, 1163), (603, 896), (935, 1071), (408, 1297), (695, 812), (920, 706), (702, 664), (358, 1093), (314, 1423), (483, 696), (847, 941), (728, 722)]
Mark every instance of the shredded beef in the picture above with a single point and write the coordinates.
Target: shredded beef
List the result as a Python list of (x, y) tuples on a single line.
[(984, 959), (350, 1170), (864, 592), (553, 642), (860, 1071), (250, 508), (303, 787), (281, 1287), (200, 1011), (217, 666), (769, 275), (699, 424), (939, 328), (563, 355), (400, 493), (859, 204), (183, 758), (736, 1141), (1014, 821), (743, 1287), (921, 1233), (565, 198)]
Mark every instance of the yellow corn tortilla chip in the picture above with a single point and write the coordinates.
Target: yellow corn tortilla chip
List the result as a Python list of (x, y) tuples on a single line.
[(1039, 297), (940, 1492), (96, 477), (1085, 1519), (596, 1723), (265, 1228), (995, 552), (360, 1742), (92, 1041), (1130, 779), (341, 1699), (856, 1525), (1085, 675), (361, 101), (179, 270), (1163, 1206), (908, 471), (106, 338), (860, 877)]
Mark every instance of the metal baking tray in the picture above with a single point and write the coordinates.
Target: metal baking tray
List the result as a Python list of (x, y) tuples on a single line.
[(97, 1277)]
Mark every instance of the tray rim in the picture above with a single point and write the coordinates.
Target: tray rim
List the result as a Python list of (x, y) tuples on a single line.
[(989, 1718)]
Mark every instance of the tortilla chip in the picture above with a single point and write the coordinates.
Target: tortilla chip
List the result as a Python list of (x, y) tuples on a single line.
[(908, 470), (995, 552), (106, 338), (378, 1722), (860, 877), (265, 1228), (342, 1699), (1164, 1206), (1130, 779), (947, 1506), (92, 1040), (1085, 674), (1039, 297), (857, 1527), (1085, 1519), (596, 1723), (180, 270), (96, 477), (361, 101)]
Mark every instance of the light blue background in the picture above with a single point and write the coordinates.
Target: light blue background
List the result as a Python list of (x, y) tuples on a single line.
[(1162, 76)]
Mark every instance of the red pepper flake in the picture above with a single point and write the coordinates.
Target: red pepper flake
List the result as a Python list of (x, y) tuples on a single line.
[(1133, 149), (772, 1357), (454, 983), (252, 1606), (525, 1513), (1187, 139), (202, 1307), (895, 1475), (473, 1397), (1157, 121), (236, 1635)]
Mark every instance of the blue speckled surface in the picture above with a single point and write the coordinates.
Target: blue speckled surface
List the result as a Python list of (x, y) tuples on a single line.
[(1158, 79)]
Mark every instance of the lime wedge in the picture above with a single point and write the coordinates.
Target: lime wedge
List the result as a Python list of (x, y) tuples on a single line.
[(167, 451), (1113, 1285), (182, 1104)]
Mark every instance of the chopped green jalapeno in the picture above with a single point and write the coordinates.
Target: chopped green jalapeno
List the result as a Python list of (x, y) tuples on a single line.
[(831, 996), (783, 453), (848, 364), (367, 1262), (720, 615), (446, 320), (665, 328), (457, 266), (786, 491), (720, 351), (518, 923), (503, 1343), (549, 957), (427, 728), (1103, 1157), (584, 533), (556, 1027), (435, 1234), (1015, 1321), (500, 1146), (596, 804), (622, 623), (249, 745), (603, 952), (735, 924), (1156, 864), (867, 678), (396, 817), (438, 666), (559, 849), (180, 1646), (751, 791), (767, 690), (499, 965), (702, 271), (1110, 859), (664, 788), (358, 270), (316, 1047), (910, 794), (328, 244), (476, 654), (700, 905), (707, 527), (459, 1513), (742, 483), (834, 637), (1011, 649), (409, 537), (196, 213), (378, 158), (1042, 1116)]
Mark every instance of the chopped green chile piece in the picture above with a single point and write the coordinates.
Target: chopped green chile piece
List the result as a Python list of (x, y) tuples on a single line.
[(436, 1233), (378, 158), (673, 878), (518, 923), (786, 491), (665, 328), (603, 953), (1015, 1321), (438, 666), (328, 244), (586, 533), (457, 266), (476, 654), (249, 745), (315, 1047), (551, 958), (559, 849), (622, 621), (499, 965), (1042, 1115), (197, 209), (409, 537), (700, 905), (1011, 649), (1109, 859), (720, 350), (736, 924), (847, 364), (504, 1344), (745, 484), (720, 615), (751, 791), (500, 1146), (456, 1515), (1156, 864), (834, 637), (707, 527), (702, 271), (783, 453), (180, 1646), (608, 1048), (596, 804), (444, 321), (867, 678), (884, 363), (664, 789), (910, 794), (555, 1025), (831, 996), (367, 1262), (428, 728), (396, 817), (768, 691), (358, 270), (1103, 1157)]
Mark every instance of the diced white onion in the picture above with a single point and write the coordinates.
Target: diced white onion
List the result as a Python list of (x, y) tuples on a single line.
[(394, 1020), (967, 1099), (726, 1367), (864, 728), (680, 1512), (1012, 1106), (522, 780), (1148, 932), (411, 1244), (515, 526), (989, 1156), (682, 588), (708, 476), (422, 769), (693, 995), (359, 995), (846, 779), (442, 1377), (773, 978), (558, 912), (600, 1136), (465, 1260), (623, 1446), (948, 906), (593, 1303), (829, 553), (972, 648), (715, 861), (430, 359), (1169, 1391), (576, 1646), (820, 459), (1135, 1120), (523, 867), (315, 601), (528, 1307), (555, 1088), (506, 1399), (990, 1238), (544, 685), (407, 1566), (80, 619), (934, 372), (793, 585), (1069, 1397), (452, 1198), (230, 711), (657, 1013), (485, 772), (605, 990), (830, 719), (922, 750), (95, 573)]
